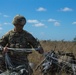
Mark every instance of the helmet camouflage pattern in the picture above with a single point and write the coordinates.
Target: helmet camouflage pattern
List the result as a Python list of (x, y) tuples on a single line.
[(19, 20)]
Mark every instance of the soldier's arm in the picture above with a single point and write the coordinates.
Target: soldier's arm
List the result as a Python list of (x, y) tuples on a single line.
[(4, 40), (35, 44)]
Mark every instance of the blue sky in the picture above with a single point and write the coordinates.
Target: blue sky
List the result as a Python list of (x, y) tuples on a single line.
[(46, 19)]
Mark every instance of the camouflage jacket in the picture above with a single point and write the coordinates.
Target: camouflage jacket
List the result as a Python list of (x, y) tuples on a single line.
[(23, 39), (19, 40)]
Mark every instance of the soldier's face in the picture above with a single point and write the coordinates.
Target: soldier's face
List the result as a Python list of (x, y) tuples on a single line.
[(19, 27)]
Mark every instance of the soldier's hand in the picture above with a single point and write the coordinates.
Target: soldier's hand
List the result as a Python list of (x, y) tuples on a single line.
[(5, 50), (40, 50)]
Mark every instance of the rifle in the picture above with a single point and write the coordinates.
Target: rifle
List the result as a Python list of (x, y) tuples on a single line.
[(49, 54), (29, 50), (40, 64)]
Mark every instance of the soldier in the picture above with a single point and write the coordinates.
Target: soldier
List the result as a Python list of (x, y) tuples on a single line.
[(19, 38)]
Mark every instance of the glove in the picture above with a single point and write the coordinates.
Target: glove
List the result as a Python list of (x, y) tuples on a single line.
[(40, 50)]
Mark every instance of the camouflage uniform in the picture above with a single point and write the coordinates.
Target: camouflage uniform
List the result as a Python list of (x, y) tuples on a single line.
[(19, 40)]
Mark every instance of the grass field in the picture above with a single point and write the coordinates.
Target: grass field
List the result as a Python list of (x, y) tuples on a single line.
[(51, 45)]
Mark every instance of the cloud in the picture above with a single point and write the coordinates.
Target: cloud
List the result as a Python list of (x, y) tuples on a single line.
[(32, 21), (6, 16), (7, 23), (39, 25), (65, 9), (55, 22), (74, 23), (51, 20), (41, 9), (36, 23)]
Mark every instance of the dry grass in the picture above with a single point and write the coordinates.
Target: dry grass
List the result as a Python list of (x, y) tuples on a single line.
[(50, 45)]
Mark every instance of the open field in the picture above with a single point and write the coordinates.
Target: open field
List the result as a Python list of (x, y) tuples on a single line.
[(50, 45)]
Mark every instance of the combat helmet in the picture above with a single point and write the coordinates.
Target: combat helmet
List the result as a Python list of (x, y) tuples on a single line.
[(19, 20)]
